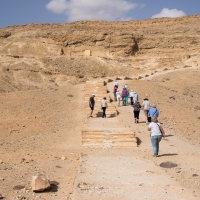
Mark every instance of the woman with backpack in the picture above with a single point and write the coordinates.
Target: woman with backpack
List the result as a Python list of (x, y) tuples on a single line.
[(136, 111)]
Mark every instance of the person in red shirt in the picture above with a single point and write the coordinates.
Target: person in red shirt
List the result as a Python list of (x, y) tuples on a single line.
[(114, 92)]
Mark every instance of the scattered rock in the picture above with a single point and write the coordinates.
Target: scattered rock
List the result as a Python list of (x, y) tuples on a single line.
[(127, 78), (18, 187), (168, 164), (1, 161), (80, 76), (172, 97), (1, 179), (62, 51), (195, 175), (69, 95), (186, 66), (40, 183), (63, 158), (20, 197), (197, 107)]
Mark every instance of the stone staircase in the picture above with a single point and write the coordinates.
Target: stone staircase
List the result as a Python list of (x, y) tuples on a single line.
[(100, 90), (104, 132)]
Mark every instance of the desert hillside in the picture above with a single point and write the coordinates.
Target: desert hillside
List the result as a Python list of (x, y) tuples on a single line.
[(36, 54)]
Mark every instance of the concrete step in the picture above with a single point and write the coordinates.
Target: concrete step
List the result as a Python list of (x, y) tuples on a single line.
[(98, 138)]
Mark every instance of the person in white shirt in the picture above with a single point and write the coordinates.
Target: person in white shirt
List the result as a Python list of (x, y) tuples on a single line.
[(156, 133), (104, 105), (131, 96), (146, 106), (118, 95)]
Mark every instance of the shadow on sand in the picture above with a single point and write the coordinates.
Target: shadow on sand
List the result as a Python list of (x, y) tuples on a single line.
[(170, 135), (53, 188), (138, 141), (168, 154), (142, 122)]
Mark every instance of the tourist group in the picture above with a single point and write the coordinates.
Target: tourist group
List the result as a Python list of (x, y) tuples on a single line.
[(151, 112)]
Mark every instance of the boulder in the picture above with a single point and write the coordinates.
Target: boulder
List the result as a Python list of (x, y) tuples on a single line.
[(63, 158), (40, 183)]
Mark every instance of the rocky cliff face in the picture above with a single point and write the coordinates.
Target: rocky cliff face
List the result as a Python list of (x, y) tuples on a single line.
[(50, 53)]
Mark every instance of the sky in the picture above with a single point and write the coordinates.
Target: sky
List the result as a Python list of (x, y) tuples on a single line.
[(18, 12)]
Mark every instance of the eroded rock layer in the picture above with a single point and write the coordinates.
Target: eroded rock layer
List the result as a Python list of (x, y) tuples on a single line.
[(38, 55)]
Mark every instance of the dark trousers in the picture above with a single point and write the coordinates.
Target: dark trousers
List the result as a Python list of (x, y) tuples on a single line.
[(104, 112), (124, 100), (115, 97), (136, 114), (131, 100)]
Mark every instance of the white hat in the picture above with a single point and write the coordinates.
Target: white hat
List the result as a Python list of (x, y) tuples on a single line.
[(93, 95)]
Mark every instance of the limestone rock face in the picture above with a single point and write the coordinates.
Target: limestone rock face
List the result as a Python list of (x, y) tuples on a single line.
[(40, 183), (35, 55)]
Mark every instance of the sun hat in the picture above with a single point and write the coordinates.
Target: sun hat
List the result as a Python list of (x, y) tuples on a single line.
[(154, 119), (93, 95)]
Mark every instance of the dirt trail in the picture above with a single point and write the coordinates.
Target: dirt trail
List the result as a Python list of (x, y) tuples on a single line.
[(150, 77)]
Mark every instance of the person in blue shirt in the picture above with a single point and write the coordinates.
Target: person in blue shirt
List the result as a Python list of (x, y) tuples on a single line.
[(153, 112)]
